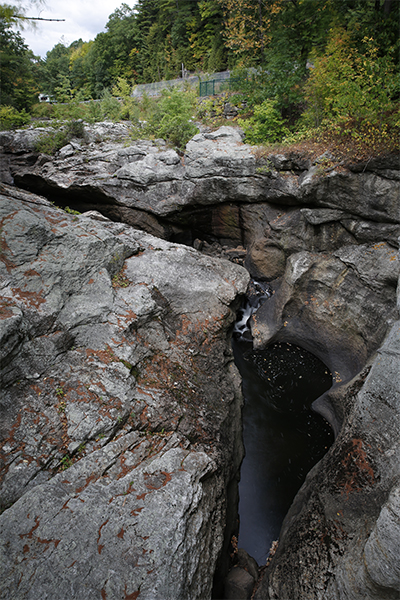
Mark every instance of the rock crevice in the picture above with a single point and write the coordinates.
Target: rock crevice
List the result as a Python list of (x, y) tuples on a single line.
[(120, 399)]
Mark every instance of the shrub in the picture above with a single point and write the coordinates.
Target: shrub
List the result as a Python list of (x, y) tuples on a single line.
[(110, 106), (266, 125), (11, 118), (172, 120), (50, 143), (44, 110), (94, 112), (349, 91)]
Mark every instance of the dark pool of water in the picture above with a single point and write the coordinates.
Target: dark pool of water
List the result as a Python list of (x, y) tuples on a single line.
[(283, 437)]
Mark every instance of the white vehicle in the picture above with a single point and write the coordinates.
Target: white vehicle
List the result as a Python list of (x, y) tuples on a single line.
[(46, 98)]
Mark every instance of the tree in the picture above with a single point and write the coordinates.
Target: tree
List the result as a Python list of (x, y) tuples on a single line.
[(206, 39), (18, 77), (247, 24)]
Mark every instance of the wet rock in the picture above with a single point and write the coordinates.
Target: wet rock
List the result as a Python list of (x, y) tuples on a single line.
[(247, 562), (340, 537), (239, 584), (264, 260)]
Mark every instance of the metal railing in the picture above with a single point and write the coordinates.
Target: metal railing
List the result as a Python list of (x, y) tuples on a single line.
[(218, 86)]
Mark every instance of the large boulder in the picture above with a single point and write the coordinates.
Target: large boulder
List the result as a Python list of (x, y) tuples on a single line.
[(120, 403)]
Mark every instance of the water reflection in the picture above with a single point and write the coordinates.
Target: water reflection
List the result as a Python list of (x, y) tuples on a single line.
[(283, 437)]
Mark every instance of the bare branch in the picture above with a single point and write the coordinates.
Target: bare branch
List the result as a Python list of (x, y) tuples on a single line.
[(35, 18)]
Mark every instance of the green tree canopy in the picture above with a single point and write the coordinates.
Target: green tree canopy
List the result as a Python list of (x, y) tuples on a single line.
[(18, 70)]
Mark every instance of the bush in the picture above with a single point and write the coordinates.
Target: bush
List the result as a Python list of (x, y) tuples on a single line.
[(172, 120), (44, 110), (11, 118), (110, 106), (350, 92), (266, 125), (50, 143), (94, 112)]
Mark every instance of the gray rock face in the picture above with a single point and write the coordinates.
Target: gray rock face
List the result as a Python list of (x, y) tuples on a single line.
[(337, 306), (120, 408), (106, 343), (341, 536), (147, 185)]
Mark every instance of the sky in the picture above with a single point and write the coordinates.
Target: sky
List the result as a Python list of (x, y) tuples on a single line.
[(83, 19)]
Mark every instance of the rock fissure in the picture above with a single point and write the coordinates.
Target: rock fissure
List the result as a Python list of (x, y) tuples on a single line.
[(150, 321)]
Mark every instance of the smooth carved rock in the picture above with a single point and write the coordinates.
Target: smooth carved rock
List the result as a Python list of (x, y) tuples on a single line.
[(264, 260), (239, 584), (340, 538), (120, 407), (339, 307)]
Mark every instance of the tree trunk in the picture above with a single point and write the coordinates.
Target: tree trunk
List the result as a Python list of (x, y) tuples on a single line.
[(387, 7)]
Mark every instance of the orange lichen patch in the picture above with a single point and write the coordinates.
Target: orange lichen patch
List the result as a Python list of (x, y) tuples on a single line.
[(8, 264), (78, 393), (100, 546), (136, 511), (36, 388), (356, 471), (31, 273), (120, 535), (47, 543), (5, 308), (124, 318), (53, 219), (89, 479), (106, 356), (14, 428), (103, 594), (124, 469), (31, 299), (132, 596), (29, 535)]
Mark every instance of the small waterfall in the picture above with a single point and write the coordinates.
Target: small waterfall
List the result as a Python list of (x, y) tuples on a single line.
[(258, 292)]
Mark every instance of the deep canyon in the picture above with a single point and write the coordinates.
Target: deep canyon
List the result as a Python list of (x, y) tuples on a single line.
[(121, 405)]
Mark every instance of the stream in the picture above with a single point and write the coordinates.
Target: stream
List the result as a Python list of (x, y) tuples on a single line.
[(283, 436)]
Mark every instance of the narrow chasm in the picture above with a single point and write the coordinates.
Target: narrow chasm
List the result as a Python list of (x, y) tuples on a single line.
[(283, 436)]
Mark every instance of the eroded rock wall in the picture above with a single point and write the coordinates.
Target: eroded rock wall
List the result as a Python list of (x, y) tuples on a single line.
[(340, 538), (220, 189), (324, 234), (120, 408)]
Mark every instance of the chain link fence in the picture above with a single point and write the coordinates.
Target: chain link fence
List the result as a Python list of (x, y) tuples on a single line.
[(154, 89)]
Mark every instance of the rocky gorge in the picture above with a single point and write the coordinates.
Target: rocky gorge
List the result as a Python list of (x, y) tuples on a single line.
[(121, 434)]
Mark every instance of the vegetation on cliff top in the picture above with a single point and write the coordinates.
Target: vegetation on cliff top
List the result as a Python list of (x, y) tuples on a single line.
[(307, 69)]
